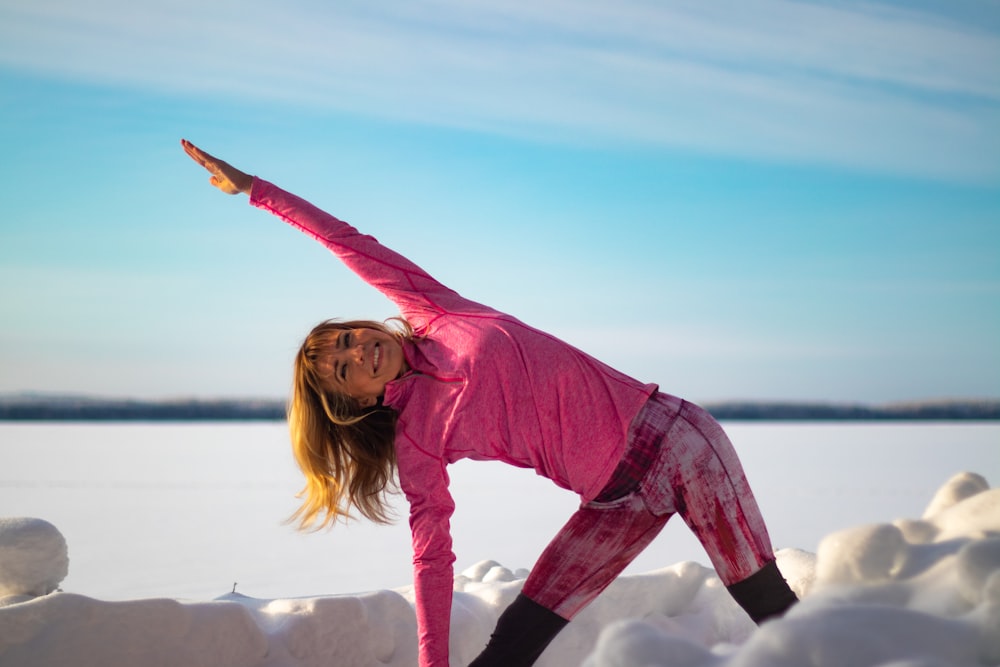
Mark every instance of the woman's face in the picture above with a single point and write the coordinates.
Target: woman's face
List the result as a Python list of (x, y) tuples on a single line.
[(359, 363)]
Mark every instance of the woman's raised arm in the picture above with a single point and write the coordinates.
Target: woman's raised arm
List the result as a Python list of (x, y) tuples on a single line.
[(225, 176), (419, 296)]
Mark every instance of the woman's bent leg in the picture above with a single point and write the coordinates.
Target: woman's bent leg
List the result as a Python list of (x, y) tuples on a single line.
[(590, 551)]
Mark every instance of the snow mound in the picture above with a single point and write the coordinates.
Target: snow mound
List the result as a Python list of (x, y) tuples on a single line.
[(910, 593), (33, 559)]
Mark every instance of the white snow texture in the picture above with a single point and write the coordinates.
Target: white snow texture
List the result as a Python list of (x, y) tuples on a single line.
[(33, 557), (911, 593)]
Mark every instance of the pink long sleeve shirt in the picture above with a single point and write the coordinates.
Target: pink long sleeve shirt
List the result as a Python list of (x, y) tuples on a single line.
[(482, 385)]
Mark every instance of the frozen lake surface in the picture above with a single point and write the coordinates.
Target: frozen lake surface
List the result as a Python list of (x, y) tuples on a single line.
[(187, 510)]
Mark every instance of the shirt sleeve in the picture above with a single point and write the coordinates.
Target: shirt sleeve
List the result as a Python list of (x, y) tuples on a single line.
[(419, 296), (424, 480)]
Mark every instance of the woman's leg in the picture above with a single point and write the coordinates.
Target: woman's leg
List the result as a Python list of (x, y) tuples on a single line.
[(709, 490), (590, 551)]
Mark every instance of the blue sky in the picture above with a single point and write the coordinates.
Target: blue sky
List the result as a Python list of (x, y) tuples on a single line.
[(737, 200)]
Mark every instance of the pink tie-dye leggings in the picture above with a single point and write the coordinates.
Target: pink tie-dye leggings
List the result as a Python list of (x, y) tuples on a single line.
[(678, 460)]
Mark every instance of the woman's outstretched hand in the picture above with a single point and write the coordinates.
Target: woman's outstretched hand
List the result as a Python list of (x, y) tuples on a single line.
[(225, 176)]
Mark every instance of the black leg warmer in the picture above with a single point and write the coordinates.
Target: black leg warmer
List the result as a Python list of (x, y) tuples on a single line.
[(523, 631), (764, 594)]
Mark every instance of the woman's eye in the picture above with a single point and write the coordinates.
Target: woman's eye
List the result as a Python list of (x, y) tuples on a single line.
[(343, 371), (347, 339)]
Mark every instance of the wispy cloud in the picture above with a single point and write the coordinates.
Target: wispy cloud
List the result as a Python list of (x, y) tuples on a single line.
[(858, 85)]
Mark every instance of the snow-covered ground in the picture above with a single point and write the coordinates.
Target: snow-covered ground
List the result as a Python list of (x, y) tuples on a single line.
[(920, 592)]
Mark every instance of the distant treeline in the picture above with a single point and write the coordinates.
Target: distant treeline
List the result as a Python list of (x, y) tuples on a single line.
[(43, 408), (49, 408), (931, 410)]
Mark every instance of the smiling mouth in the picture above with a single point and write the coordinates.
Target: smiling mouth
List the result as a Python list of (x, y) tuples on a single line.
[(376, 357)]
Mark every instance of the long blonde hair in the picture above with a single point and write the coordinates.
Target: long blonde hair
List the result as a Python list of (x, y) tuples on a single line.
[(345, 451)]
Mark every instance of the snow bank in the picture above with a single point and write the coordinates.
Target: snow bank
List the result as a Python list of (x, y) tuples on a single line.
[(912, 593), (33, 558)]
